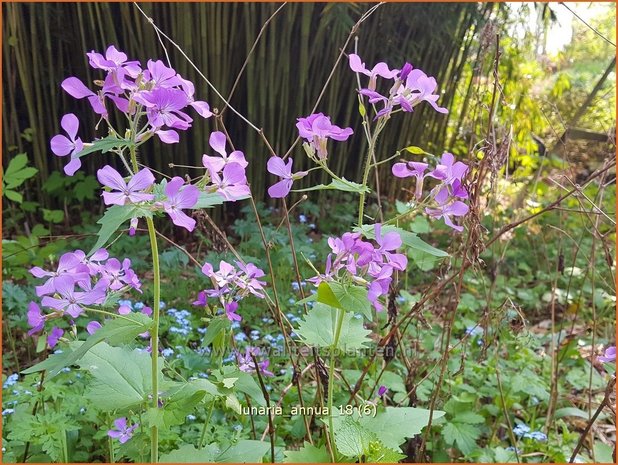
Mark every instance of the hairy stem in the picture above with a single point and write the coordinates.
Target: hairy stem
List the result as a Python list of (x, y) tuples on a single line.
[(154, 332), (331, 379)]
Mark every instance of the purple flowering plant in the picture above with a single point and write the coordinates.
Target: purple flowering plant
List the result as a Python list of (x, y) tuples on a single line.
[(359, 275)]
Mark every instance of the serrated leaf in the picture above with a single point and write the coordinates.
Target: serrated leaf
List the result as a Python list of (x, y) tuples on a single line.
[(307, 454), (462, 435), (115, 216), (123, 377), (410, 239), (181, 399), (116, 331), (379, 453), (351, 438), (339, 185), (317, 329), (393, 425)]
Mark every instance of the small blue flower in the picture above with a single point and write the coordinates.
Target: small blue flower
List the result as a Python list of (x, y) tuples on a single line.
[(537, 436), (237, 427), (291, 300), (202, 330), (161, 305), (302, 218), (512, 449), (167, 352), (82, 410), (11, 380), (8, 411), (312, 225), (521, 429), (138, 305), (235, 325), (191, 417), (240, 337)]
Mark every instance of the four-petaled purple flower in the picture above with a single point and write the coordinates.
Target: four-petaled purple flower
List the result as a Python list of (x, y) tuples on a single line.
[(317, 129), (280, 168), (231, 183), (72, 145), (412, 169), (178, 198), (123, 192), (123, 431), (71, 301)]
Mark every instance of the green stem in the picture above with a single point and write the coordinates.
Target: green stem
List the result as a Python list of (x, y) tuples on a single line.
[(331, 380), (203, 435), (154, 332)]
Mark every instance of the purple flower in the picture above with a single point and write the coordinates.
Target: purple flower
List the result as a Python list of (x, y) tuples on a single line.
[(179, 197), (380, 69), (163, 107), (247, 279), (94, 261), (130, 192), (202, 299), (76, 89), (418, 88), (54, 336), (93, 326), (448, 170), (113, 61), (317, 128), (246, 363), (222, 278), (72, 145), (230, 311), (382, 390), (232, 183), (161, 76), (123, 432), (609, 356), (278, 167), (217, 141), (412, 169), (71, 301), (118, 275), (445, 211), (68, 265), (36, 320)]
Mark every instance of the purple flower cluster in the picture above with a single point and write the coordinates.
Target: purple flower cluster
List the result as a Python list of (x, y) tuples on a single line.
[(227, 172), (246, 363), (410, 87), (365, 263), (158, 92), (316, 129), (78, 282), (447, 193), (231, 285)]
